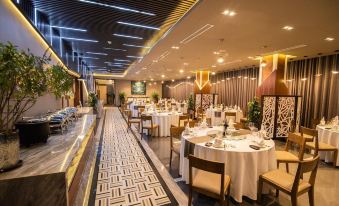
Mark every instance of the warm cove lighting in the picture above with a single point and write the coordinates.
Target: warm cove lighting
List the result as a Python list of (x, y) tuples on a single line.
[(118, 7), (329, 39)]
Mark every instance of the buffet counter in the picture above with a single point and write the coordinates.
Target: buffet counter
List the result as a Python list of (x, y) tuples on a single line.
[(53, 173)]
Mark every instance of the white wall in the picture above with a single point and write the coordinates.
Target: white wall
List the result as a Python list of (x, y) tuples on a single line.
[(125, 86), (13, 28)]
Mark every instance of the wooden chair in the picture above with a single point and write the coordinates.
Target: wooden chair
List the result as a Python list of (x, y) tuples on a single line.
[(200, 113), (131, 120), (183, 118), (315, 122), (210, 179), (149, 126), (140, 111), (175, 141), (191, 123), (208, 120), (231, 114), (239, 126), (287, 157), (319, 146), (292, 185)]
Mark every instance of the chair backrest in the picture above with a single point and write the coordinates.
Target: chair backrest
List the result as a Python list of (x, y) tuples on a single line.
[(146, 118), (217, 114), (230, 114), (209, 166), (315, 122), (313, 133), (176, 133), (129, 114), (190, 123), (296, 139), (183, 117), (238, 126), (304, 167)]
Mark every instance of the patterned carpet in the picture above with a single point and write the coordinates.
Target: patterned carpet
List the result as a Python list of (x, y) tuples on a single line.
[(125, 176)]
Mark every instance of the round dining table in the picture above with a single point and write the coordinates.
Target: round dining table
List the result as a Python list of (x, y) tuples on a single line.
[(329, 135), (164, 120), (242, 163)]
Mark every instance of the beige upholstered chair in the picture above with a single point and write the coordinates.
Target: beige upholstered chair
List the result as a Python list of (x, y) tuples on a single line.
[(317, 146), (147, 123), (286, 156), (175, 141), (131, 120), (210, 179), (292, 185)]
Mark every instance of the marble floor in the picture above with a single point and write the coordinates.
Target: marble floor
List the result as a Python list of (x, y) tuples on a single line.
[(326, 189)]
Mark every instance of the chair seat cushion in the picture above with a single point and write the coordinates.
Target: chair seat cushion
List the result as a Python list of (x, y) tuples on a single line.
[(210, 181), (322, 146), (148, 126), (284, 156), (176, 146), (284, 180)]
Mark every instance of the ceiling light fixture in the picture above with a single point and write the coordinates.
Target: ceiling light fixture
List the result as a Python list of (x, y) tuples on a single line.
[(214, 66), (263, 64), (162, 82), (175, 47), (89, 57), (303, 79), (172, 80), (222, 80), (288, 28), (335, 72), (185, 63), (132, 45), (135, 57), (97, 53), (181, 71), (213, 73), (118, 7), (188, 77), (229, 13), (127, 36), (144, 81), (144, 68), (69, 28), (329, 39), (197, 33), (122, 60), (76, 39), (163, 76), (220, 60), (138, 25), (108, 48)]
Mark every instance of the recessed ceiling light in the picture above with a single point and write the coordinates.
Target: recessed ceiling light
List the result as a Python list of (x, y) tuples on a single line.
[(181, 71), (77, 39), (185, 63), (155, 83), (172, 80), (144, 81), (213, 73), (97, 53), (329, 39), (132, 45), (150, 84), (188, 77), (263, 64), (163, 76), (220, 60), (222, 80), (162, 82), (118, 7), (175, 47), (232, 13), (135, 57), (69, 28), (152, 79), (127, 36), (229, 13), (288, 28), (155, 61), (214, 66), (138, 25), (216, 52)]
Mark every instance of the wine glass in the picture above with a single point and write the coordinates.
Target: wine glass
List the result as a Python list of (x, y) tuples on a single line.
[(251, 126)]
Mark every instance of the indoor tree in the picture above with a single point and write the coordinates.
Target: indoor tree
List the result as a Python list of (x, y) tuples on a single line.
[(155, 97), (254, 112), (122, 97)]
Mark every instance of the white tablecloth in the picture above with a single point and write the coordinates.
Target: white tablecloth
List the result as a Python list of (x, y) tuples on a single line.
[(210, 113), (165, 120), (242, 163), (328, 136)]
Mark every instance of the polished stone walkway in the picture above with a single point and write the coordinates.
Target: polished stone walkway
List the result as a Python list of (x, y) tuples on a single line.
[(126, 176)]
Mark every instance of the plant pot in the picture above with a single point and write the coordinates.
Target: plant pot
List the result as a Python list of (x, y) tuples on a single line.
[(9, 152)]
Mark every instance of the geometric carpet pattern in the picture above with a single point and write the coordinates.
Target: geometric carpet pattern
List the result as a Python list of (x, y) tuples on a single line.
[(125, 177)]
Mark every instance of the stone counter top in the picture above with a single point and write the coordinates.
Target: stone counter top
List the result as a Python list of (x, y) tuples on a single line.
[(56, 155)]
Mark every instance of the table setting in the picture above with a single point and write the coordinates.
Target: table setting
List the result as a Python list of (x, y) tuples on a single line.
[(210, 113)]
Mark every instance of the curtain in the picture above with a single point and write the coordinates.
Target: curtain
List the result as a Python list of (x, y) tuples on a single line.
[(316, 81), (236, 87), (179, 89)]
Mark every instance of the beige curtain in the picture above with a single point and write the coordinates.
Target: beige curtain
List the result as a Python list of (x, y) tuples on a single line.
[(236, 87), (316, 80), (179, 89)]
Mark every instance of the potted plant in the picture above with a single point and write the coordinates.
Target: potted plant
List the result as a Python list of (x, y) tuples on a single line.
[(59, 81), (190, 105), (22, 81), (155, 97), (254, 112), (122, 97), (92, 101)]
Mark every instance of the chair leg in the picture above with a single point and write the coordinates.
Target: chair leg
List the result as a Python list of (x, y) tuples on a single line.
[(260, 185), (335, 157), (294, 200), (170, 160), (228, 194), (311, 196), (190, 197), (276, 193), (287, 168), (221, 201)]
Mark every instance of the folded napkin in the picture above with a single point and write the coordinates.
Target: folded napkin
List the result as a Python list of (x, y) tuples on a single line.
[(322, 121)]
